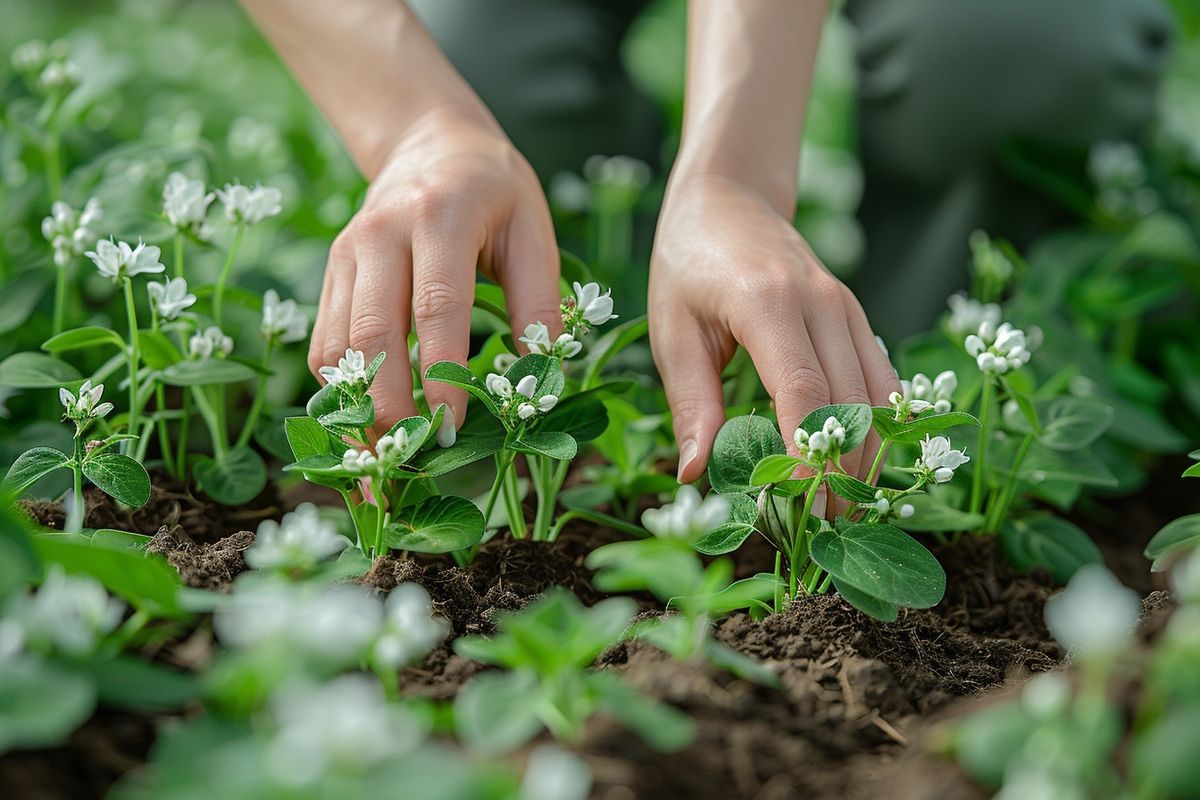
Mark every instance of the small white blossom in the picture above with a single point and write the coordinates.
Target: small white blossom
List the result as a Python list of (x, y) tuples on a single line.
[(966, 315), (618, 171), (117, 260), (503, 362), (526, 410), (351, 370), (537, 338), (595, 308), (906, 510), (922, 394), (30, 56), (299, 541), (998, 349), (170, 298), (87, 405), (68, 614), (554, 774), (566, 346), (498, 386), (1095, 614), (359, 461), (1116, 165), (817, 447), (526, 386), (250, 205), (391, 446), (938, 460), (211, 343), (282, 320), (410, 630), (185, 202), (546, 402), (988, 260), (59, 76), (68, 230), (688, 517)]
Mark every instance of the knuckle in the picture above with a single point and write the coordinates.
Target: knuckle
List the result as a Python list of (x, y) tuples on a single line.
[(429, 202), (827, 292), (343, 245), (373, 223), (803, 386), (435, 298), (369, 331)]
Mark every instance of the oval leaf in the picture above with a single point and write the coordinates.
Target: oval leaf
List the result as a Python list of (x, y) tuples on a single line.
[(120, 477), (740, 445), (31, 466), (851, 488), (1177, 535), (1042, 540), (872, 606), (36, 371), (882, 561), (546, 370), (774, 469), (854, 417), (1072, 423), (82, 338), (454, 374), (436, 525), (552, 444), (235, 479), (206, 372)]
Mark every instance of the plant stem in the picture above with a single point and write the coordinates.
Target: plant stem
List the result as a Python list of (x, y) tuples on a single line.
[(260, 391), (512, 502), (598, 517), (985, 417), (160, 404), (178, 254), (778, 581), (77, 498), (134, 355), (503, 461), (51, 155), (215, 431), (185, 423), (878, 462), (60, 299), (226, 269), (800, 539), (999, 507), (379, 516)]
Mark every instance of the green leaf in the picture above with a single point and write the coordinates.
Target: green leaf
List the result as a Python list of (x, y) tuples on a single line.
[(1043, 540), (20, 298), (1176, 536), (497, 712), (884, 420), (373, 367), (611, 343), (307, 438), (1191, 472), (357, 413), (157, 350), (551, 444), (120, 540), (1073, 423), (774, 469), (207, 372), (743, 513), (235, 479), (851, 488), (31, 466), (454, 374), (663, 727), (883, 561), (326, 400), (854, 417), (417, 431), (932, 514), (743, 594), (132, 683), (989, 740), (90, 336), (870, 605), (119, 476), (741, 443), (41, 704), (468, 448), (145, 580), (36, 371), (436, 525), (546, 370), (581, 416), (1082, 467)]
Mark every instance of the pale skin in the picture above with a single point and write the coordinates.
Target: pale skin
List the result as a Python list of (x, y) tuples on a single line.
[(450, 196)]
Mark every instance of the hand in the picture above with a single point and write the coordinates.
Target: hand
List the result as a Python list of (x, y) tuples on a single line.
[(727, 268), (451, 196)]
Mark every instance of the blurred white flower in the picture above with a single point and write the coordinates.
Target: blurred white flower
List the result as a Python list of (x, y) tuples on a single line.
[(526, 410), (170, 298), (938, 460), (59, 76), (998, 349), (1116, 165), (30, 56), (68, 614), (116, 260), (351, 370), (1095, 614), (554, 774), (503, 361), (250, 204), (410, 630), (212, 342), (359, 461), (68, 230), (595, 308), (299, 541), (966, 315), (566, 346), (391, 446), (688, 517), (87, 404), (185, 202), (988, 260), (618, 171), (498, 386), (282, 320)]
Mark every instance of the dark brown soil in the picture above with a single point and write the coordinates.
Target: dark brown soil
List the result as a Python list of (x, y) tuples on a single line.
[(203, 566)]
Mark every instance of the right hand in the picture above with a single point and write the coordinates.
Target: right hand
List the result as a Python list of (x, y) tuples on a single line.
[(453, 195)]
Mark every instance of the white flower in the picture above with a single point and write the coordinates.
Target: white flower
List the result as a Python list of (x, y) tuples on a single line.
[(906, 510), (59, 76), (1095, 614), (817, 447), (67, 230), (69, 614), (565, 346), (966, 315), (1116, 165), (498, 386), (170, 298), (87, 405), (391, 446), (688, 517), (938, 460), (282, 320), (299, 541), (554, 774), (546, 402), (351, 370), (359, 461), (409, 628), (526, 386), (30, 56), (537, 338), (997, 349), (250, 205), (212, 342), (526, 410), (503, 362), (185, 201), (922, 394), (118, 260), (595, 308)]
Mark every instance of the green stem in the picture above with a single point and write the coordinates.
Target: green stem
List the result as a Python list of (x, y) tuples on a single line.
[(51, 155), (215, 432), (160, 404), (178, 255), (60, 299), (999, 508), (800, 540), (512, 502), (503, 461), (77, 497), (379, 517), (778, 581), (226, 269), (878, 462), (134, 355), (185, 424), (260, 392), (598, 517), (985, 416)]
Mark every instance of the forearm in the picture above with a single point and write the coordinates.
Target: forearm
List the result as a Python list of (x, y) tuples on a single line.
[(749, 68), (370, 66)]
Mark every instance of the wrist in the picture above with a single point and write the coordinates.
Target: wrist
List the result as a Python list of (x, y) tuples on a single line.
[(443, 119), (690, 177)]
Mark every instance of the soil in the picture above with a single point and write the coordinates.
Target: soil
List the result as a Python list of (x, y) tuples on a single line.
[(856, 694)]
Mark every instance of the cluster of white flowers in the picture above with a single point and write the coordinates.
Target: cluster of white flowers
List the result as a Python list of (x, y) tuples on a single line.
[(410, 630), (117, 260), (282, 320), (587, 308), (31, 56), (388, 451), (87, 404), (922, 394), (816, 448), (998, 349), (350, 372), (299, 541), (688, 517), (519, 400), (59, 76), (1095, 614), (212, 342), (250, 205), (967, 314), (170, 298), (537, 339), (68, 230), (359, 462), (884, 507), (68, 614), (938, 459), (186, 202)]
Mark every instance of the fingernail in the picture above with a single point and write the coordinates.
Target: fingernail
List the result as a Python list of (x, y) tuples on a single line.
[(447, 432), (687, 454)]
